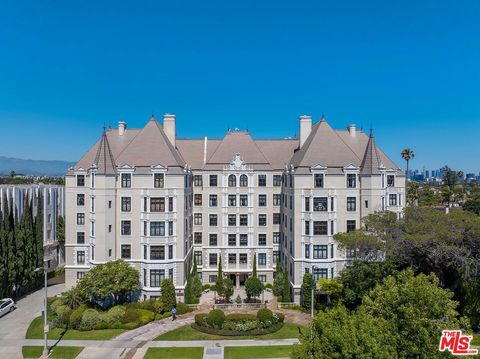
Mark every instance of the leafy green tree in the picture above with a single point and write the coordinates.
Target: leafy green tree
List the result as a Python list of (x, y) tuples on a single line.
[(219, 286), (470, 300), (253, 287), (114, 280), (361, 277), (61, 230), (473, 205), (307, 291), (332, 288), (167, 293), (39, 232), (278, 280), (72, 298), (227, 288), (286, 286), (196, 282), (254, 269)]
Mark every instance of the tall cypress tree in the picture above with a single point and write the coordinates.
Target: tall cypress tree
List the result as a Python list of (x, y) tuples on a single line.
[(254, 270), (39, 231), (286, 286), (219, 283)]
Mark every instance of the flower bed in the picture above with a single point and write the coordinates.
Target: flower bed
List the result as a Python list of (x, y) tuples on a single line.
[(216, 322)]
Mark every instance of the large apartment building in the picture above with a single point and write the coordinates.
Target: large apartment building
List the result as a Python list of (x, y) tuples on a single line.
[(157, 201)]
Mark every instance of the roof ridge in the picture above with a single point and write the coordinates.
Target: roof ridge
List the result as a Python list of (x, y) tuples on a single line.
[(104, 148)]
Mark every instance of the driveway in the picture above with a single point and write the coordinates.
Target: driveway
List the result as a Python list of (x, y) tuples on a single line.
[(14, 325)]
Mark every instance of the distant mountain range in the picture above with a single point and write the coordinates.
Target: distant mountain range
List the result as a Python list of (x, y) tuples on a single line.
[(34, 167)]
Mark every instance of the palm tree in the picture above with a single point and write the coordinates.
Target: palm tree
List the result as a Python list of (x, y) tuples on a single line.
[(407, 154)]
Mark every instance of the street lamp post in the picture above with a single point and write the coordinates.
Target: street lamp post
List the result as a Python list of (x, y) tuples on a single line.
[(45, 320)]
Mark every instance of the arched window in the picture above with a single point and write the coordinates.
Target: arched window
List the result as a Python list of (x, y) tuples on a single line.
[(243, 181), (232, 181)]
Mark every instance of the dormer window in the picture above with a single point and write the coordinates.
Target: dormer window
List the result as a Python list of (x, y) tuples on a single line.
[(318, 180), (390, 181), (158, 180), (80, 180), (126, 180), (351, 180)]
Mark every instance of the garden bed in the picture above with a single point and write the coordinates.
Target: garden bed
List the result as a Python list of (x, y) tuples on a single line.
[(232, 333)]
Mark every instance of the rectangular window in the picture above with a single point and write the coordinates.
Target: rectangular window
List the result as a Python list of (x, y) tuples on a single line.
[(80, 218), (156, 277), (197, 180), (318, 180), (126, 228), (320, 204), (307, 204), (126, 204), (243, 200), (232, 219), (80, 180), (262, 259), (262, 200), (170, 251), (277, 198), (126, 180), (213, 200), (170, 228), (262, 220), (243, 258), (392, 199), (157, 204), (320, 273), (243, 240), (307, 251), (198, 200), (157, 228), (320, 251), (170, 204), (198, 257), (232, 200), (320, 228), (390, 181), (332, 204), (351, 204), (232, 258), (244, 220), (276, 237), (262, 239), (80, 237), (232, 240), (277, 180), (157, 252), (80, 275), (212, 220), (197, 219), (262, 180), (126, 251), (212, 240), (81, 257), (212, 259), (213, 180), (307, 228), (197, 237), (276, 218), (351, 225), (80, 200), (158, 180), (351, 180), (276, 256)]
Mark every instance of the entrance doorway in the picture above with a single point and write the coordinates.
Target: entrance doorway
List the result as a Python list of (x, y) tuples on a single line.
[(238, 279)]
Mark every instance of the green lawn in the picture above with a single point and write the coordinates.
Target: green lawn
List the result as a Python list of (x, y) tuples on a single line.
[(174, 353), (271, 351), (289, 330), (57, 352), (35, 331)]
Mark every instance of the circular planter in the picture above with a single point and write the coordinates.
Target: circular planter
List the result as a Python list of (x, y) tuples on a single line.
[(233, 333)]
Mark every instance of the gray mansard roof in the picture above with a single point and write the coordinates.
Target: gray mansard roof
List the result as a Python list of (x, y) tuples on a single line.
[(147, 147)]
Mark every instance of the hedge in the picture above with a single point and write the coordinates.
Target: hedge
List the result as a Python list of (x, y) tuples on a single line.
[(262, 331)]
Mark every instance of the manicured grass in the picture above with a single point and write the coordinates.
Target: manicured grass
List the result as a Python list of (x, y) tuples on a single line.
[(35, 331), (271, 351), (289, 330), (57, 352), (174, 353)]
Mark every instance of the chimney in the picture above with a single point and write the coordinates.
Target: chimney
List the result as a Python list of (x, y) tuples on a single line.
[(205, 151), (352, 129), (169, 127), (122, 126), (305, 128)]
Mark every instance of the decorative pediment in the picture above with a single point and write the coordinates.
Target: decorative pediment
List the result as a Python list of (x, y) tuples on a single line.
[(126, 168), (237, 164), (382, 167), (318, 167), (80, 170), (158, 168), (351, 168)]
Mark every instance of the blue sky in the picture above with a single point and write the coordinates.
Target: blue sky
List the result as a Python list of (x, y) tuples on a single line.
[(409, 69)]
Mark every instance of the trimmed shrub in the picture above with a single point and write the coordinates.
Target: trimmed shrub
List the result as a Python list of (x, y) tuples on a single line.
[(145, 316), (216, 318), (241, 316), (280, 317), (240, 325), (76, 317), (148, 304), (158, 306), (183, 308), (259, 331), (115, 314), (269, 286), (64, 312), (130, 316), (133, 305), (55, 304), (166, 315), (264, 315), (206, 286), (200, 319), (90, 319)]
